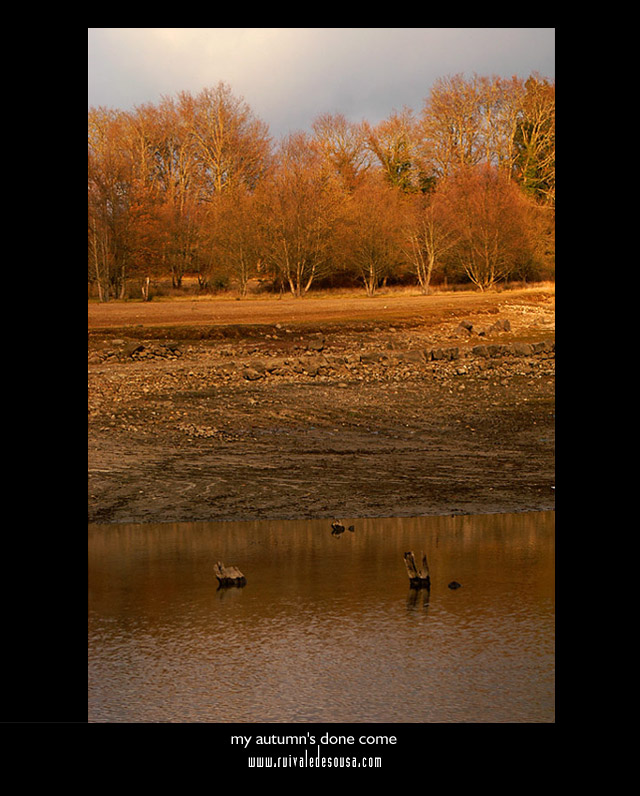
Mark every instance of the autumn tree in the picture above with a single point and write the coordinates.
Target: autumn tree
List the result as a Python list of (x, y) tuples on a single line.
[(506, 123), (104, 176), (197, 148), (173, 171), (489, 219), (500, 109), (234, 239), (299, 205), (394, 142), (343, 146), (233, 145), (451, 124), (115, 202), (428, 234), (535, 141), (369, 242)]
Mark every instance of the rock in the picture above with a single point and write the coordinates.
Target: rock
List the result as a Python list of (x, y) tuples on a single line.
[(444, 354), (274, 365), (316, 343), (372, 357), (454, 584), (415, 356), (251, 374), (257, 364), (500, 326), (480, 351), (132, 348)]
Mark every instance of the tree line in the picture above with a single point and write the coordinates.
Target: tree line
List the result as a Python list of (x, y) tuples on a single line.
[(463, 190)]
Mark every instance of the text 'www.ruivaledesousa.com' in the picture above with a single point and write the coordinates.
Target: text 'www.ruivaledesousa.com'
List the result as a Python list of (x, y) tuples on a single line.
[(318, 760)]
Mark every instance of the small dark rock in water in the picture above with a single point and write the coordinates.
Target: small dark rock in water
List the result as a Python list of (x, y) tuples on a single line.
[(455, 585), (351, 528)]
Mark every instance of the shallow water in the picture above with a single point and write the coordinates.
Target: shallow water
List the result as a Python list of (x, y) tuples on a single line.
[(327, 628)]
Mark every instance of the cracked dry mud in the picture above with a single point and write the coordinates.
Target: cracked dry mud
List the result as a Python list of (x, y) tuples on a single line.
[(345, 411)]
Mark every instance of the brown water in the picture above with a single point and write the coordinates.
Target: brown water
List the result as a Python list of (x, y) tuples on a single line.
[(326, 629)]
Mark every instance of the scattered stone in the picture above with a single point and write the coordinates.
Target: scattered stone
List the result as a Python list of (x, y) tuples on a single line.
[(275, 364), (415, 356), (258, 366), (494, 350), (446, 354), (541, 347), (501, 325), (316, 343), (372, 357), (132, 348), (312, 369)]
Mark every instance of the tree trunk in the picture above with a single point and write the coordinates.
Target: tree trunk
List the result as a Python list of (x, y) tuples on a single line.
[(122, 293), (97, 267)]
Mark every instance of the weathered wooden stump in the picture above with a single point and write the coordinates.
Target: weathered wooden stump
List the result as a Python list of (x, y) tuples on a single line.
[(418, 578), (228, 576)]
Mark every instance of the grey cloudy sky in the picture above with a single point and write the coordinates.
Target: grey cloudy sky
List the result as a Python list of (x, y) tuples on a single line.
[(288, 76)]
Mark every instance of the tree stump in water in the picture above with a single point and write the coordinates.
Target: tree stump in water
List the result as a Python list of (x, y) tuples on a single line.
[(418, 578), (228, 576)]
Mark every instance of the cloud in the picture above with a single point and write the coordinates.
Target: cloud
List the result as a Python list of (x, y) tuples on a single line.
[(290, 75)]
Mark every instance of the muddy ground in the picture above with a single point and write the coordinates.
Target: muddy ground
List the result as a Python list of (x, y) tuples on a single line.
[(311, 408)]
